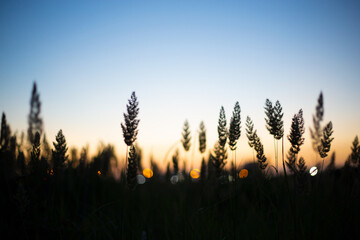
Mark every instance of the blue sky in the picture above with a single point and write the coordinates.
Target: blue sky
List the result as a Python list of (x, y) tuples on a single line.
[(184, 59)]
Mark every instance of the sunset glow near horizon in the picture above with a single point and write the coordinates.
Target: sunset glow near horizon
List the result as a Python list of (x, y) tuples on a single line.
[(184, 60)]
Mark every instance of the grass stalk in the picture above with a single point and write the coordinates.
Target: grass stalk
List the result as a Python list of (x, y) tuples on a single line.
[(126, 160), (275, 153), (291, 201)]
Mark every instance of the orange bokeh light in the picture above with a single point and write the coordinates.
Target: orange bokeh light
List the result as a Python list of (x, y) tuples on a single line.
[(243, 173), (148, 173), (195, 173)]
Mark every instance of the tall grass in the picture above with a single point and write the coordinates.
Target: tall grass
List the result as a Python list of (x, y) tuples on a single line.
[(202, 149), (219, 155), (326, 140), (235, 133), (81, 203), (34, 120), (354, 158), (250, 134), (5, 134), (129, 128), (316, 131), (132, 168), (59, 155), (186, 140), (274, 125), (296, 139), (202, 138)]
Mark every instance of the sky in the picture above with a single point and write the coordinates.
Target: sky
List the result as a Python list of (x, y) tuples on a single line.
[(184, 59)]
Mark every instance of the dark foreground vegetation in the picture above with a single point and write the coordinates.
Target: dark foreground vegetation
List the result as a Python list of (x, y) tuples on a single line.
[(48, 194), (79, 204)]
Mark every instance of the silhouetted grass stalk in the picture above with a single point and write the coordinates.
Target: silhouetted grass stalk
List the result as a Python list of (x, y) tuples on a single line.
[(186, 142), (193, 153), (274, 124), (234, 134), (202, 149), (316, 132), (275, 153), (126, 163), (325, 145), (132, 169), (291, 200), (220, 152), (131, 123), (296, 139)]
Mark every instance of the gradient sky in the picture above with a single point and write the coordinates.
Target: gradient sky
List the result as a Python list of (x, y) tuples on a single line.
[(184, 59)]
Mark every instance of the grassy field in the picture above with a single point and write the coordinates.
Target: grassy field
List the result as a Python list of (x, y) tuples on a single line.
[(49, 195), (77, 204)]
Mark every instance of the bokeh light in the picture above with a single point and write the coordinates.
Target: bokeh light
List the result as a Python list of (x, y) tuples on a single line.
[(313, 171), (140, 179), (174, 179), (243, 173), (51, 172), (195, 173), (99, 172), (148, 173)]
